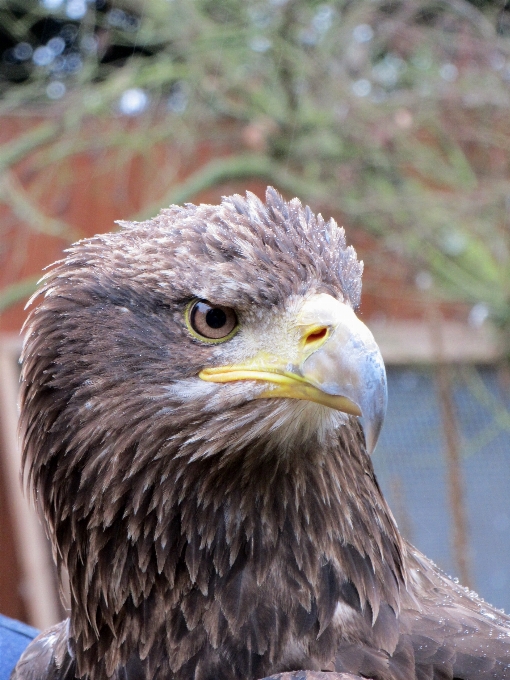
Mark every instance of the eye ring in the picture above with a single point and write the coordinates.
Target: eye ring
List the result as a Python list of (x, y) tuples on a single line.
[(211, 323)]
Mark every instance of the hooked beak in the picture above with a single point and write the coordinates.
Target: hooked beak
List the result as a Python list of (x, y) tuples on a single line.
[(339, 365)]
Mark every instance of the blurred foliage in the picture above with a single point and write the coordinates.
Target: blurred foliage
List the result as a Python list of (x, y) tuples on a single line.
[(393, 114)]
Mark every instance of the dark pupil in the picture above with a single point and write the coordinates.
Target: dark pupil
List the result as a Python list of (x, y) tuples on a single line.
[(215, 318)]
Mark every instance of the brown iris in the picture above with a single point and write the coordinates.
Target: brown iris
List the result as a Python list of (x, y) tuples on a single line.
[(212, 323)]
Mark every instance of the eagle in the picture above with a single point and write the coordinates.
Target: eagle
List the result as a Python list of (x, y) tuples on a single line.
[(199, 403)]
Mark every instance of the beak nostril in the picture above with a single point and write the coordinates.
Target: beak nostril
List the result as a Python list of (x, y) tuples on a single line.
[(316, 334)]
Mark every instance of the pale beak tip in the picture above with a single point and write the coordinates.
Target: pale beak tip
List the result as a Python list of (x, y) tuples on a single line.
[(371, 430), (373, 412)]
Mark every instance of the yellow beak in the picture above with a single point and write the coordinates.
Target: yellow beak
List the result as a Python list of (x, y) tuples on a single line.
[(338, 365)]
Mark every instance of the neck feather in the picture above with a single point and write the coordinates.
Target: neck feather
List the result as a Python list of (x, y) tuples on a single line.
[(220, 539)]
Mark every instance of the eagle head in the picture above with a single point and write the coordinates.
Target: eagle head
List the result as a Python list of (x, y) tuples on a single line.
[(191, 388)]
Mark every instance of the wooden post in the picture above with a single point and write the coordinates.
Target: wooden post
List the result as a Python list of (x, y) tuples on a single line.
[(451, 431), (455, 476), (38, 577)]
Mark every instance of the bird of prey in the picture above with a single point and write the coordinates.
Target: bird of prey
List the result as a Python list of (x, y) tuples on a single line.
[(190, 403)]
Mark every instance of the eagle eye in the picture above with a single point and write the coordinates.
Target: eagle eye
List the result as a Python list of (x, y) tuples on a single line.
[(211, 323)]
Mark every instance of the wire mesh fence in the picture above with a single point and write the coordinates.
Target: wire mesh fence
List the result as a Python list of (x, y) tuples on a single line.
[(428, 494)]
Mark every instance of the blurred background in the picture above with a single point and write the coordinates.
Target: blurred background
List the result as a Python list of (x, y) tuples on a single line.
[(393, 116)]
